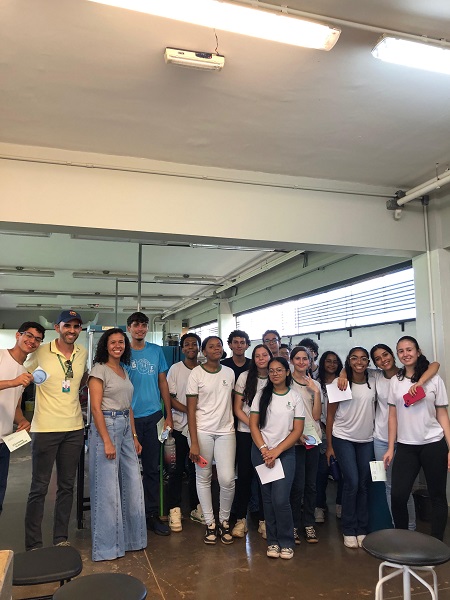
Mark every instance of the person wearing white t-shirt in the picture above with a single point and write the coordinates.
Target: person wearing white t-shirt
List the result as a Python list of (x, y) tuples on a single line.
[(248, 384), (350, 440), (177, 379), (306, 455), (422, 431), (13, 379), (384, 359), (276, 424), (211, 427)]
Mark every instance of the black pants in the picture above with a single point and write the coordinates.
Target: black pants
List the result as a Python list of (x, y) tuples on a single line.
[(407, 463), (246, 472), (176, 478)]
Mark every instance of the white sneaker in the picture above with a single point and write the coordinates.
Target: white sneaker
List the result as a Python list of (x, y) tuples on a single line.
[(240, 529), (197, 515), (286, 553), (273, 551), (175, 519), (350, 541), (338, 511), (360, 539), (319, 515), (262, 529)]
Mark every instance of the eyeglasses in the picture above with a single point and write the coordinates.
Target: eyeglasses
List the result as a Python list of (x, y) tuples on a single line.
[(270, 341), (362, 359), (276, 371), (30, 336), (69, 371)]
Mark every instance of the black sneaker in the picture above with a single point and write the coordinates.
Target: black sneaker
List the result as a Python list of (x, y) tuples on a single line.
[(225, 533), (310, 535), (296, 536), (211, 534), (155, 524)]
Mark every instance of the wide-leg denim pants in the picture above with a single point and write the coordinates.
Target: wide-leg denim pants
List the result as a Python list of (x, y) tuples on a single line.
[(117, 497)]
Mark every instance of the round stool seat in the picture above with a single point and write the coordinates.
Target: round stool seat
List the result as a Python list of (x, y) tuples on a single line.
[(46, 565), (404, 547), (103, 586)]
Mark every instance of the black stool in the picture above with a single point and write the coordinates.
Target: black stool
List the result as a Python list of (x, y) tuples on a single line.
[(406, 552), (46, 565), (103, 586)]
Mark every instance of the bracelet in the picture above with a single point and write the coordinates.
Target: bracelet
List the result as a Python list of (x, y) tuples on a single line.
[(135, 435), (261, 447)]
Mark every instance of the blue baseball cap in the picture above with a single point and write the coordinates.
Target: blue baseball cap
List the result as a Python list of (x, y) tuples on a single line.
[(68, 315)]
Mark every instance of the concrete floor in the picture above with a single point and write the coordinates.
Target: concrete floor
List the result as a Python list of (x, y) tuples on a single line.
[(181, 566)]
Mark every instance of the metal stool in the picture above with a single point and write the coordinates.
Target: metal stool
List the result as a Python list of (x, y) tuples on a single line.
[(103, 586), (46, 565), (406, 552)]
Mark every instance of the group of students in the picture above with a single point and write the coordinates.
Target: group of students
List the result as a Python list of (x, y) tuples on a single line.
[(281, 409)]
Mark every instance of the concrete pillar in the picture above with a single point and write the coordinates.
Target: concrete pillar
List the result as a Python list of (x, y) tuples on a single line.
[(226, 322)]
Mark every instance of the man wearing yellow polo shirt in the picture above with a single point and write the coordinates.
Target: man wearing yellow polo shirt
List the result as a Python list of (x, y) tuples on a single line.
[(57, 428)]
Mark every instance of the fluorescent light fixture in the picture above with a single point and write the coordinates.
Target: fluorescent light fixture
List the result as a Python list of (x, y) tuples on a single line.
[(187, 279), (273, 25), (24, 272), (41, 234), (409, 53), (205, 61), (104, 275), (28, 293)]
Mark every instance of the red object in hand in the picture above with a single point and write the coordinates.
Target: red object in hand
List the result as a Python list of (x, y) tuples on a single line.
[(420, 393)]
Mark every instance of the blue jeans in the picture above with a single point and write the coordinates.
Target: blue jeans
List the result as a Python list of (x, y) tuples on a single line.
[(276, 499), (304, 485), (4, 469), (117, 498), (64, 448), (354, 459), (322, 478), (380, 449), (150, 455)]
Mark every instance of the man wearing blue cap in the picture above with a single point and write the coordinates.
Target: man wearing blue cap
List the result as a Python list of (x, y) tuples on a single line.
[(57, 428)]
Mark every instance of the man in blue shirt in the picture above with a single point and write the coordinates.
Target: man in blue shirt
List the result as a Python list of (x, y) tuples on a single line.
[(147, 372)]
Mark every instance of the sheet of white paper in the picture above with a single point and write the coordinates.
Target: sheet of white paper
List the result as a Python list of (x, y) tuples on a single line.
[(335, 395), (16, 440), (377, 470), (267, 475)]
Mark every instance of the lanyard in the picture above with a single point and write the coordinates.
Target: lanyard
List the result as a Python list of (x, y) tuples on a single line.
[(62, 367)]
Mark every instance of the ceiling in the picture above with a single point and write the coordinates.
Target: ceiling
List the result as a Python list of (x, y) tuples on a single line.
[(81, 76)]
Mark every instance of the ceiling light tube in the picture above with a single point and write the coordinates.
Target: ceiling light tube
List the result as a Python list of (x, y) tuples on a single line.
[(26, 272), (272, 25), (410, 53)]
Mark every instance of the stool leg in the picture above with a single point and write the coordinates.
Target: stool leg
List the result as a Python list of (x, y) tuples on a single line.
[(406, 583), (433, 592), (383, 578)]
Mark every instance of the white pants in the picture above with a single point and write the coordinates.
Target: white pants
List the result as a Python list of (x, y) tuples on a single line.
[(222, 449)]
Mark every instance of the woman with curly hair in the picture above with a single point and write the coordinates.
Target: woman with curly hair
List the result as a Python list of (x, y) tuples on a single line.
[(350, 440), (247, 385), (422, 431), (117, 498)]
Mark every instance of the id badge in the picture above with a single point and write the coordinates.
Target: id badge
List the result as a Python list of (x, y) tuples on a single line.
[(66, 386)]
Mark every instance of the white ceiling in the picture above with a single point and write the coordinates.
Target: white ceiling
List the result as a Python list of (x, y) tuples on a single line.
[(81, 76)]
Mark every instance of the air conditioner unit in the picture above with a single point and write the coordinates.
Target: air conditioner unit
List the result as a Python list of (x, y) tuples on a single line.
[(194, 60)]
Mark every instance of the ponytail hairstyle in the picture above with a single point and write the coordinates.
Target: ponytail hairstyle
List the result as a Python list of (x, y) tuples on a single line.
[(298, 349), (252, 377), (422, 363), (322, 360), (348, 368), (266, 395)]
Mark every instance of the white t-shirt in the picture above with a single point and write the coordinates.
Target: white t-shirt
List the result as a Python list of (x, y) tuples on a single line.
[(239, 390), (9, 369), (382, 385), (282, 411), (354, 418), (214, 405), (417, 424), (177, 379), (308, 402)]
